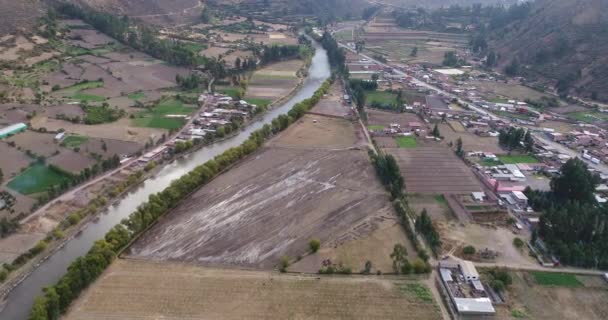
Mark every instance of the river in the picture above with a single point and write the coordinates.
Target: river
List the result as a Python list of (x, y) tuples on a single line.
[(20, 300)]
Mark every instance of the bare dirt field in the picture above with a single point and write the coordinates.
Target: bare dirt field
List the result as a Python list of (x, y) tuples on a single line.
[(146, 290), (13, 160), (13, 113), (385, 118), (357, 250), (22, 206), (314, 131), (561, 127), (509, 90), (274, 81), (332, 103), (470, 141), (71, 161), (119, 130), (41, 144), (433, 170), (435, 206), (482, 237), (113, 147), (252, 215), (65, 110), (14, 245), (386, 142), (548, 302)]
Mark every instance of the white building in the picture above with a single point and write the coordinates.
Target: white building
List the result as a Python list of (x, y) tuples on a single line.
[(468, 270)]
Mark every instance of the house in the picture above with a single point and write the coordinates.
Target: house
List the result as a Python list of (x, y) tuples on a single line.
[(59, 136), (520, 198), (468, 270)]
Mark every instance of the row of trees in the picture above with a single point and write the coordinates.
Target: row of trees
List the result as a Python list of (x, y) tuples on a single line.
[(425, 226), (516, 139), (573, 224), (82, 272)]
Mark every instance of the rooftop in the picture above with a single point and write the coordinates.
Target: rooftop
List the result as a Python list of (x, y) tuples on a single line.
[(474, 305)]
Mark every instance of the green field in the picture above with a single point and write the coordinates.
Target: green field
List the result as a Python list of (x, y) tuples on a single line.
[(259, 102), (74, 141), (406, 142), (159, 122), (489, 163), (588, 117), (382, 97), (556, 279), (233, 92), (376, 127), (38, 178), (136, 95), (87, 97), (156, 117), (514, 159), (84, 86)]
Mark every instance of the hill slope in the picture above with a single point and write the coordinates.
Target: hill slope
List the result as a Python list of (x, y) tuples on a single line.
[(562, 41), (19, 15)]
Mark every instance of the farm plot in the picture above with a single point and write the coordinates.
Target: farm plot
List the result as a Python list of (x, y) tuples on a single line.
[(72, 162), (432, 170), (495, 89), (168, 114), (145, 290), (586, 300), (316, 132), (38, 178), (13, 160), (252, 215), (118, 130), (274, 81), (13, 113), (332, 103), (384, 118), (112, 147), (40, 144), (470, 141), (435, 205)]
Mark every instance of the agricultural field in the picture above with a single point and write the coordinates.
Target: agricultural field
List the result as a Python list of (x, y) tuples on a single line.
[(240, 218), (71, 161), (470, 141), (385, 118), (274, 81), (37, 178), (432, 169), (13, 160), (40, 144), (406, 142), (335, 134), (384, 37), (549, 295), (332, 104), (435, 205), (588, 116), (514, 159), (168, 114), (173, 291), (381, 97), (497, 90)]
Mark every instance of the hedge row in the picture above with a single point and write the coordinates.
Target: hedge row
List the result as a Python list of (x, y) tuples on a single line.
[(84, 270)]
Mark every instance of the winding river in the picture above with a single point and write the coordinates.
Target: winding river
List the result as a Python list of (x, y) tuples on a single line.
[(20, 300)]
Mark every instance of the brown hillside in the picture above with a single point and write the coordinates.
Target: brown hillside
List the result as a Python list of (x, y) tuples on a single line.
[(561, 40), (19, 15)]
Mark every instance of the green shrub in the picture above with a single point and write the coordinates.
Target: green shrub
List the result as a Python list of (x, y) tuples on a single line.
[(468, 250), (314, 245)]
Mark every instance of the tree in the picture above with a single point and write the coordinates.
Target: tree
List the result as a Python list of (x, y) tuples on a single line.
[(399, 257), (575, 182), (459, 150), (414, 52), (528, 141), (314, 245), (450, 59), (39, 311), (491, 59), (468, 250), (1, 176), (518, 243), (436, 132), (368, 267), (284, 264), (513, 68)]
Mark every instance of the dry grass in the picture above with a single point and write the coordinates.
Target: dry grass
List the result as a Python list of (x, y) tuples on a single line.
[(313, 131), (145, 290)]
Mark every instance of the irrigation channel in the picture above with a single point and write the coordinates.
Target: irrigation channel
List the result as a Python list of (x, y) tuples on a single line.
[(20, 299)]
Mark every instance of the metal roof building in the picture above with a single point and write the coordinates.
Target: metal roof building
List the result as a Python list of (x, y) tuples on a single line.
[(479, 306), (12, 129)]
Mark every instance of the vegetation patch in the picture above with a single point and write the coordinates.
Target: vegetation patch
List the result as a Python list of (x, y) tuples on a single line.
[(101, 114), (159, 122), (514, 159), (406, 142), (258, 102), (381, 97), (157, 116), (73, 141), (588, 117), (38, 178), (376, 127), (421, 292), (556, 279), (136, 95), (85, 97)]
